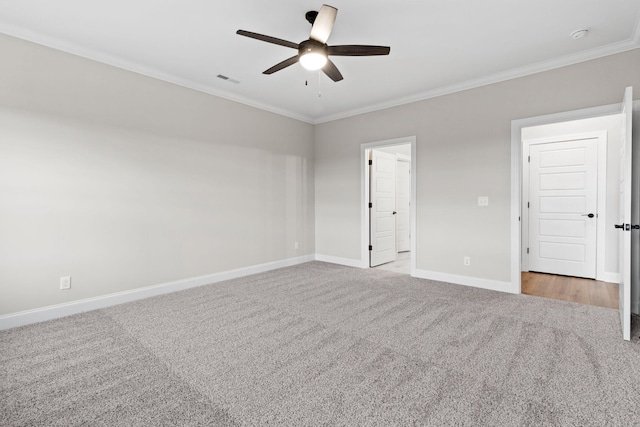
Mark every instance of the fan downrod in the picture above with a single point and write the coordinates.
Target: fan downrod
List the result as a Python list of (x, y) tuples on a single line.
[(311, 16)]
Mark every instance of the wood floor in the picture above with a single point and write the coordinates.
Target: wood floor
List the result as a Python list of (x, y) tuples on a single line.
[(583, 291)]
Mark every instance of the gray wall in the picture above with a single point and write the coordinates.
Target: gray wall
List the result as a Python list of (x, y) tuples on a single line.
[(463, 151), (122, 181)]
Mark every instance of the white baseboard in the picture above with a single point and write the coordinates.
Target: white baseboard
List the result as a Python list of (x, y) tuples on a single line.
[(349, 262), (494, 285), (61, 310), (609, 277)]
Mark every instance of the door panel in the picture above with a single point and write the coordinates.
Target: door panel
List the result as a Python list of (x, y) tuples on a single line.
[(624, 252), (562, 204), (561, 251), (382, 211), (559, 228), (563, 190)]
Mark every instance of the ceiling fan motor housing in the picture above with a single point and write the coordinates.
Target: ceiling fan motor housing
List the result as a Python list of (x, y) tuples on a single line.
[(312, 46)]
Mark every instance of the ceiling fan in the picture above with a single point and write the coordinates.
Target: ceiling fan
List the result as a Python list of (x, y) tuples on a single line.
[(314, 53)]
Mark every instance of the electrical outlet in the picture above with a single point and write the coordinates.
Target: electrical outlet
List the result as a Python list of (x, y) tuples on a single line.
[(65, 282), (467, 260), (483, 201)]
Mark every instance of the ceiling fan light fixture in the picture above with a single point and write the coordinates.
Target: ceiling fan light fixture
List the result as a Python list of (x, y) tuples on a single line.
[(314, 53), (313, 60)]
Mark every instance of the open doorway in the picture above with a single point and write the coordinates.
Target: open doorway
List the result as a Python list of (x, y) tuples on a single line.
[(570, 174), (388, 205)]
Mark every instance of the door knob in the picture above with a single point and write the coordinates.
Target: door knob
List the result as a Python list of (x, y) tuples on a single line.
[(394, 212), (590, 215)]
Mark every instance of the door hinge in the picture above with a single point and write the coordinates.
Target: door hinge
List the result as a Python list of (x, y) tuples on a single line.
[(529, 159), (527, 250), (528, 205), (370, 162), (370, 247), (370, 205)]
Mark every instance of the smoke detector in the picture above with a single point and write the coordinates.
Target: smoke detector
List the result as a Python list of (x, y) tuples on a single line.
[(578, 34)]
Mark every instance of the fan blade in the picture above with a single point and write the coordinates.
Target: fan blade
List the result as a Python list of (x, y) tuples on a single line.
[(323, 24), (268, 39), (358, 50), (332, 71), (283, 64)]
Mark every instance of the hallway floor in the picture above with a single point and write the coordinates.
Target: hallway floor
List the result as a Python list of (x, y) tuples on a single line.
[(401, 265)]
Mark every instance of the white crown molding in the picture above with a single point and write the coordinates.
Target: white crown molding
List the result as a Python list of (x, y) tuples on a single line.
[(494, 78), (123, 64), (51, 312), (614, 48)]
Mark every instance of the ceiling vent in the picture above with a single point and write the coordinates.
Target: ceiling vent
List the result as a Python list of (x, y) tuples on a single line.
[(228, 79)]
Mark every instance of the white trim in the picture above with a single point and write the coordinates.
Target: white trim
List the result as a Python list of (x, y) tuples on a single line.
[(493, 285), (610, 277), (123, 64), (61, 310), (516, 171), (349, 262), (54, 43), (514, 73), (364, 196), (601, 223)]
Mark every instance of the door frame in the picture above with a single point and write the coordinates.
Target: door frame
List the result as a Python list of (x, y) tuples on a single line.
[(364, 197), (404, 159), (517, 170), (601, 195)]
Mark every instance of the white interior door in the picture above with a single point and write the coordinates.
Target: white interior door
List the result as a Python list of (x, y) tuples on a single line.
[(382, 206), (624, 224), (403, 203), (563, 207)]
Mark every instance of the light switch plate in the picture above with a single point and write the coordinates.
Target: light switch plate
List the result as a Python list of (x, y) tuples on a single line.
[(483, 201)]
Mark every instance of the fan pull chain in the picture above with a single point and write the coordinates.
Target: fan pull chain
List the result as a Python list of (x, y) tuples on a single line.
[(319, 93)]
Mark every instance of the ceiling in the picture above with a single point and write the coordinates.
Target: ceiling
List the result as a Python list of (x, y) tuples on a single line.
[(437, 47)]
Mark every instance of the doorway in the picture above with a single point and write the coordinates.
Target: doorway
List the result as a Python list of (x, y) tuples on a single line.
[(389, 205), (569, 176), (623, 157)]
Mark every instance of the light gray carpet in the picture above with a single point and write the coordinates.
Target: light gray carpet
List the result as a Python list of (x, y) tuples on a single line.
[(320, 344)]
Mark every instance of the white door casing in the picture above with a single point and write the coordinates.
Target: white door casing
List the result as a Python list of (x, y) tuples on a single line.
[(563, 207), (403, 203), (382, 208), (624, 223)]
